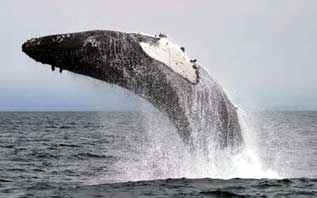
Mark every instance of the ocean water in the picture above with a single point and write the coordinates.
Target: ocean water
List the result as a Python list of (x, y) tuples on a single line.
[(139, 154)]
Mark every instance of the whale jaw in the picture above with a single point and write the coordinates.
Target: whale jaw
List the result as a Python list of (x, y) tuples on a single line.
[(92, 53)]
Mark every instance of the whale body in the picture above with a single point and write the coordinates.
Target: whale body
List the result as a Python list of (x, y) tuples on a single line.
[(153, 68)]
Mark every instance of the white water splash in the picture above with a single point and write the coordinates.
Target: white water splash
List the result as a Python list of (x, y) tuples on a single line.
[(164, 155), (249, 163)]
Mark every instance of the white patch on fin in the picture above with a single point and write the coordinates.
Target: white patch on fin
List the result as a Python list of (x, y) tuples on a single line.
[(171, 55)]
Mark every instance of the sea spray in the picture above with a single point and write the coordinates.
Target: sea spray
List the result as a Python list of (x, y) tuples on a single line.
[(162, 154), (251, 165)]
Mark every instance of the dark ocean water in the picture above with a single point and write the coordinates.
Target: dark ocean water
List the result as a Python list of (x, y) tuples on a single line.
[(132, 154)]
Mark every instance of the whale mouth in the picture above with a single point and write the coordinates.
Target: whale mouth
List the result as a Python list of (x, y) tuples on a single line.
[(53, 49), (46, 44), (109, 56), (68, 52)]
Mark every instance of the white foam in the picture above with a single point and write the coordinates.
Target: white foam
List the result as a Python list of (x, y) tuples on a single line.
[(171, 55), (164, 155)]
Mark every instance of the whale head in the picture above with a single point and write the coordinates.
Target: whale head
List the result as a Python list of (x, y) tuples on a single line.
[(111, 56), (106, 55)]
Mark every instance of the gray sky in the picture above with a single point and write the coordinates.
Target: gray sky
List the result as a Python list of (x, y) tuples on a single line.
[(263, 53)]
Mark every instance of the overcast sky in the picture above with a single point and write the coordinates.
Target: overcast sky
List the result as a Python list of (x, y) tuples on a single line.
[(263, 53)]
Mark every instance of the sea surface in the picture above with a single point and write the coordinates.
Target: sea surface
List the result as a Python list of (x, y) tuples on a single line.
[(139, 154)]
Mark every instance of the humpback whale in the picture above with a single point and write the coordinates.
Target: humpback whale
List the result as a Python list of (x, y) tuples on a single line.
[(152, 67)]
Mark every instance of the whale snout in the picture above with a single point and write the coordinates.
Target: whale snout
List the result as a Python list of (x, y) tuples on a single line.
[(34, 49), (51, 43), (54, 50), (31, 45), (106, 55), (27, 46)]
